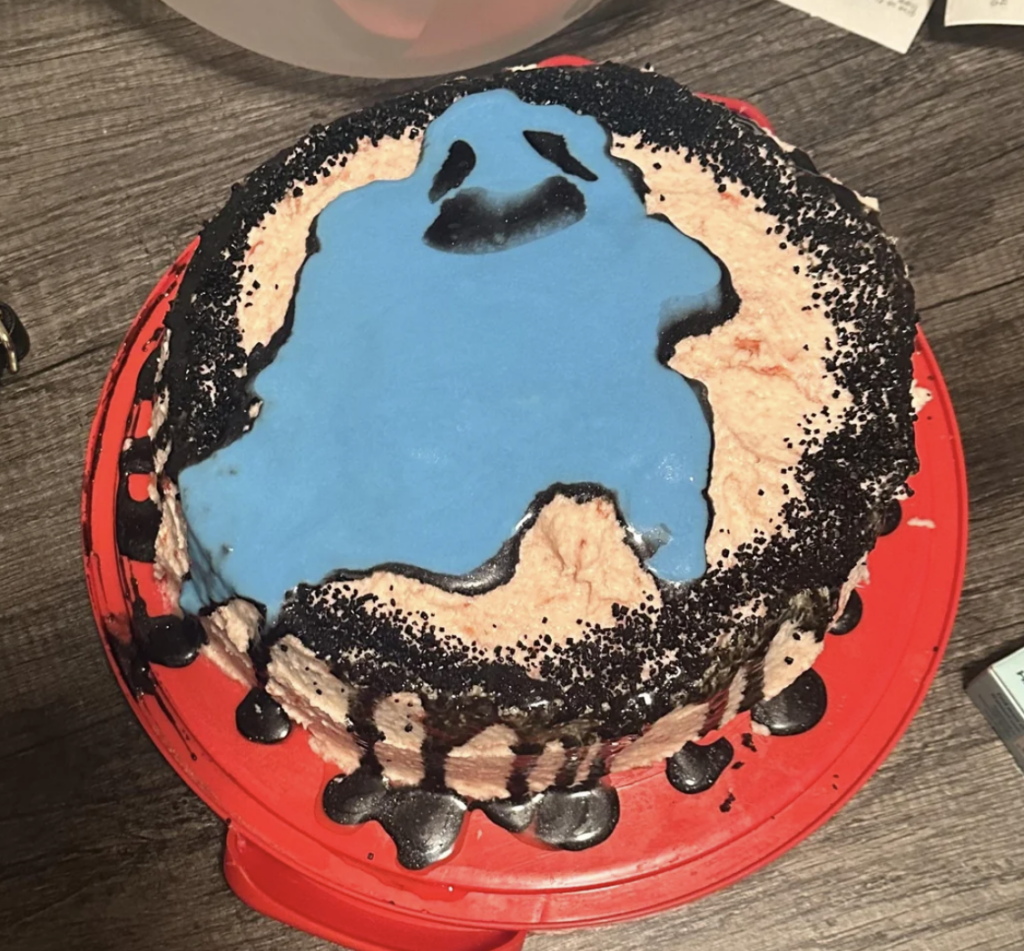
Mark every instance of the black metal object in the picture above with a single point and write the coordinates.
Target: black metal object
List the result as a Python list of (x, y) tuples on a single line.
[(13, 340)]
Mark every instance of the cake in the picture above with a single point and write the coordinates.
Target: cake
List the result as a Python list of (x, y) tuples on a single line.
[(517, 433)]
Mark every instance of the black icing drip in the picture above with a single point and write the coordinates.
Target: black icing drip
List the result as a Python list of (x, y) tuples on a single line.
[(696, 768), (137, 458), (133, 666), (138, 521), (572, 819), (513, 815), (526, 755), (579, 818), (169, 640), (753, 691), (799, 707), (449, 725), (851, 615), (261, 718), (145, 383), (566, 775), (356, 798), (423, 824), (424, 821), (716, 710), (360, 720), (137, 524)]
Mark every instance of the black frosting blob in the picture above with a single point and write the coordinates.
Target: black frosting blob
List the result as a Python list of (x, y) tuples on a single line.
[(138, 521), (260, 718), (578, 818), (798, 708), (511, 814), (169, 641), (355, 798), (851, 615), (696, 768), (424, 824)]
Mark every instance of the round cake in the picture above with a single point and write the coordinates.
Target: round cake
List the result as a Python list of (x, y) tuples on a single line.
[(520, 432)]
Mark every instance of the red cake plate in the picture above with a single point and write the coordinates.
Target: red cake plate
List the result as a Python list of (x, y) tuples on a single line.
[(285, 858)]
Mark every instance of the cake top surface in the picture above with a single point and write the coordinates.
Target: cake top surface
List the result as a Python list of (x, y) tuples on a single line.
[(463, 339), (717, 339)]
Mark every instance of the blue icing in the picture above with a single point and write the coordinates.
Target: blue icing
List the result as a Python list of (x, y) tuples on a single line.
[(424, 398)]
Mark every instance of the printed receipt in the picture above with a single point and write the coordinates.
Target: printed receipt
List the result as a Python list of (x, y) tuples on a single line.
[(967, 12), (893, 23)]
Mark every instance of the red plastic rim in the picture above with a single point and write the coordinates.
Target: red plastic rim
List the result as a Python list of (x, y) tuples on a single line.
[(876, 676)]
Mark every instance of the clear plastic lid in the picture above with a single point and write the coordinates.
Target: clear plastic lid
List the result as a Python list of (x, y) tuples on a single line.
[(384, 38)]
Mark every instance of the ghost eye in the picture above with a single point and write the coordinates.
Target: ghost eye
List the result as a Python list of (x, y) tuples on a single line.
[(553, 147), (460, 162)]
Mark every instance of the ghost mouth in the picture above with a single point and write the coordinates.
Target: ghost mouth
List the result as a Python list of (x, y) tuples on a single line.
[(475, 221)]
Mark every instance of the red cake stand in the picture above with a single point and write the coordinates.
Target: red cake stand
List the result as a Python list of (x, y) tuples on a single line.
[(286, 859)]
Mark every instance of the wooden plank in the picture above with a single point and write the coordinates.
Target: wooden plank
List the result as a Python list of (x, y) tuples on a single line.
[(121, 127)]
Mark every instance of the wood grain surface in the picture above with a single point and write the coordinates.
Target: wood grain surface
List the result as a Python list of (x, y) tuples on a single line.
[(122, 126)]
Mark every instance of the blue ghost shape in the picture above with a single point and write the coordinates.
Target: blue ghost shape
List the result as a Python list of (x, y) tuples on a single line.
[(463, 340)]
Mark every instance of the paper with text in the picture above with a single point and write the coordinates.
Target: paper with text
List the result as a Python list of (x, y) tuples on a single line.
[(967, 12), (893, 23)]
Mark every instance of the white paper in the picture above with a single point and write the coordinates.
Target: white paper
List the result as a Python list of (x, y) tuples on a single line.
[(967, 12), (893, 23)]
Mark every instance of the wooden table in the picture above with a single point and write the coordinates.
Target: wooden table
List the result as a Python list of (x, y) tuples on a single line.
[(121, 127)]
